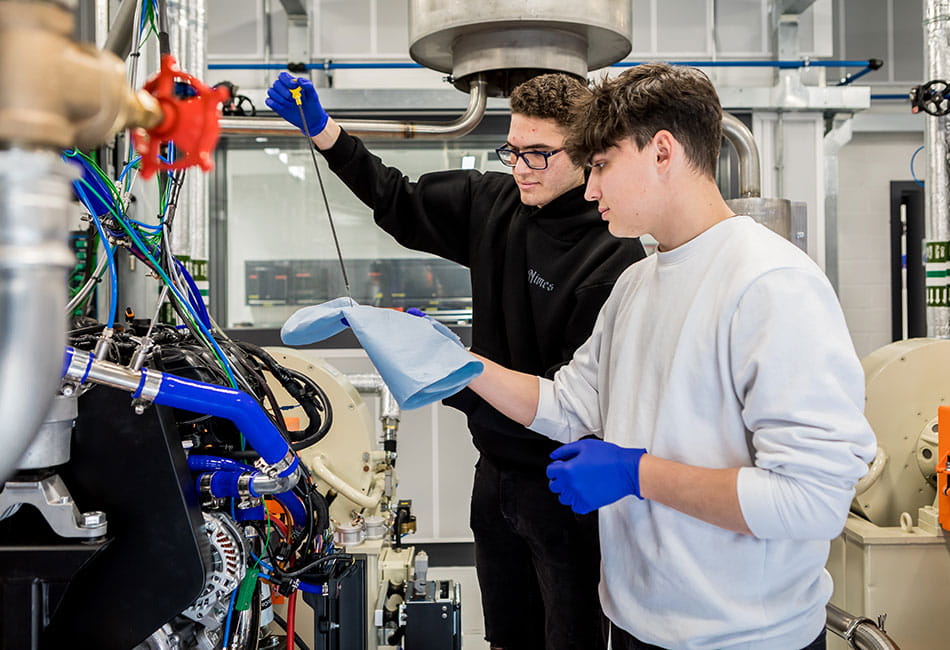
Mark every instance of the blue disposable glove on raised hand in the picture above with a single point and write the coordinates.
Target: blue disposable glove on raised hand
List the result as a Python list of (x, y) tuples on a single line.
[(589, 474), (282, 102)]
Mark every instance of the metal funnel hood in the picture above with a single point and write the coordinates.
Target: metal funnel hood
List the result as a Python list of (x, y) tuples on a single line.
[(509, 41)]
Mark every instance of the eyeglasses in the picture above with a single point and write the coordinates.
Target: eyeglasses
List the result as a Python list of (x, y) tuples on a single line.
[(533, 159)]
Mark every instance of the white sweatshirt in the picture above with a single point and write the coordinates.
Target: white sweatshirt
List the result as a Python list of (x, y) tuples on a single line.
[(728, 351)]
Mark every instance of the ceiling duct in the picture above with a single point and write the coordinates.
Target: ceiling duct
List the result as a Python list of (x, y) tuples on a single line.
[(509, 41)]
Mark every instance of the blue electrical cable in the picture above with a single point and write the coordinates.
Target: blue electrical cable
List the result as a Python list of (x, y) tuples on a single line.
[(912, 174), (269, 572), (194, 295), (129, 166), (227, 622), (201, 326), (185, 304), (110, 255)]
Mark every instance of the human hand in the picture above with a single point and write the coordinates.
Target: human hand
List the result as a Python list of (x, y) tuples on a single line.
[(439, 327), (589, 474), (282, 102)]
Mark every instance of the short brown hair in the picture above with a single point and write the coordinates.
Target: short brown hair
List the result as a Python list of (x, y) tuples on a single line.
[(549, 96), (644, 100)]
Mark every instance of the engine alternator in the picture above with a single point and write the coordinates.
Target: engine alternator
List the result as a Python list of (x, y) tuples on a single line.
[(228, 565)]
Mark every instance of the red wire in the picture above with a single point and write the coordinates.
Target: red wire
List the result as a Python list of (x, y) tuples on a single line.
[(291, 611), (281, 526)]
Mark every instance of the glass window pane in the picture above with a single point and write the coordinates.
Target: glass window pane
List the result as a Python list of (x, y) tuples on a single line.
[(280, 248)]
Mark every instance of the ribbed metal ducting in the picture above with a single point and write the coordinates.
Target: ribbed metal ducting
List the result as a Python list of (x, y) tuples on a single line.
[(509, 41), (936, 136), (188, 37)]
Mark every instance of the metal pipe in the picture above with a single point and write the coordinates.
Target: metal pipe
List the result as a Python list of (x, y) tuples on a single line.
[(319, 467), (861, 633), (374, 385), (936, 134), (89, 286), (739, 135), (420, 130), (119, 41), (34, 202)]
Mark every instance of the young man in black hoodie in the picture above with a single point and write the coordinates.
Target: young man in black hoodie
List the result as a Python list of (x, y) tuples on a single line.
[(542, 263)]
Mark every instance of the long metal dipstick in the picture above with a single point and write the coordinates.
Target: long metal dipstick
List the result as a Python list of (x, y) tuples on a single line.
[(326, 202)]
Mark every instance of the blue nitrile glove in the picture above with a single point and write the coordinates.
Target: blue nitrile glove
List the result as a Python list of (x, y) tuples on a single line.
[(282, 102), (589, 474)]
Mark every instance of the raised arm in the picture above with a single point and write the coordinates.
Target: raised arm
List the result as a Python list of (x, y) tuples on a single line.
[(439, 213)]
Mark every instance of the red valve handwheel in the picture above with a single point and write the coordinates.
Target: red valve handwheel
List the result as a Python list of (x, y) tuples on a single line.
[(190, 122)]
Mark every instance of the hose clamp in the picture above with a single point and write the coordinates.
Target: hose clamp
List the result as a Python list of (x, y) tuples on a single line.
[(79, 365), (284, 466), (853, 628), (150, 386), (244, 485), (204, 484)]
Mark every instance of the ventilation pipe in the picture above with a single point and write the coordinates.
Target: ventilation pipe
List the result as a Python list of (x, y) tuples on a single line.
[(377, 128), (188, 41), (936, 135), (774, 214)]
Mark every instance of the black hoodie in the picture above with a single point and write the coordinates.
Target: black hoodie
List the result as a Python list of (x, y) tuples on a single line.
[(539, 275)]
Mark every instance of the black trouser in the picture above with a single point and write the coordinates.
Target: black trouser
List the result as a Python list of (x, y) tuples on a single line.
[(538, 564), (623, 640)]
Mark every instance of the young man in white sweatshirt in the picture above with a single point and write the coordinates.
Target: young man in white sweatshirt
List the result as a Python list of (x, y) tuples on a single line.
[(721, 386)]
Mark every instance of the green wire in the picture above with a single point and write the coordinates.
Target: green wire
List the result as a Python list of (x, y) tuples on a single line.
[(194, 326), (266, 541)]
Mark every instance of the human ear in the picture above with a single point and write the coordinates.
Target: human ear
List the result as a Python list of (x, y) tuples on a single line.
[(663, 146)]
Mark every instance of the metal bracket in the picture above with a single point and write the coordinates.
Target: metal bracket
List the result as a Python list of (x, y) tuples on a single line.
[(51, 497)]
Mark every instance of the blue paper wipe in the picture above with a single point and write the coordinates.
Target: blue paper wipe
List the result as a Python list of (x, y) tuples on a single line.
[(421, 360)]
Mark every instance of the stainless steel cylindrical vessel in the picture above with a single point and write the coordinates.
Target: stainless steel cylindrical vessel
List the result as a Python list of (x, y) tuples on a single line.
[(508, 41), (774, 214), (51, 446)]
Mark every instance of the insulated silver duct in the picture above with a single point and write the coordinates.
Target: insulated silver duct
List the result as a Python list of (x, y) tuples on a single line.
[(861, 633), (34, 202), (936, 136), (188, 39)]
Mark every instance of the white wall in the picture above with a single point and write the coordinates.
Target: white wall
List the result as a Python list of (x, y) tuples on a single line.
[(867, 165)]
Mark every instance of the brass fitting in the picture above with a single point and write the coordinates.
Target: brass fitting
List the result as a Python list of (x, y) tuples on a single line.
[(55, 92)]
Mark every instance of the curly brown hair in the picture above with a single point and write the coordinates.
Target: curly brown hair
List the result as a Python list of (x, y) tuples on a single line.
[(549, 96), (644, 100)]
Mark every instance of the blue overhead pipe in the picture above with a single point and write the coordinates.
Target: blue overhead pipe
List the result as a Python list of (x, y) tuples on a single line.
[(310, 66), (781, 64), (789, 64)]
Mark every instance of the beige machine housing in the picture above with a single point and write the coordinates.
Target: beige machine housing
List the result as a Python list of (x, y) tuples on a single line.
[(892, 557)]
